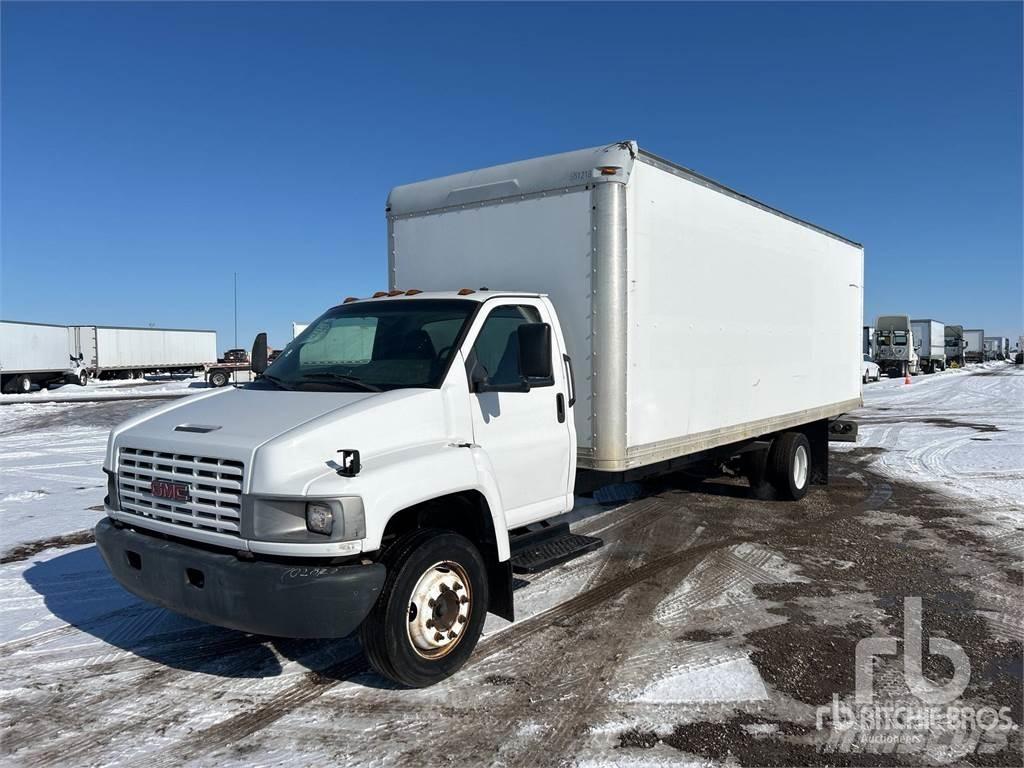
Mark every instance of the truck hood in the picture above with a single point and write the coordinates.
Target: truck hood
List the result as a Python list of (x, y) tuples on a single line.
[(287, 440), (228, 424)]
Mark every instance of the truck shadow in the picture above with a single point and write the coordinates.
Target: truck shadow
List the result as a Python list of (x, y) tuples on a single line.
[(77, 588)]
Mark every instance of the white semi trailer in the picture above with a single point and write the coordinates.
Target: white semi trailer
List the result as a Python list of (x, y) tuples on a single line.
[(37, 354), (112, 351), (930, 344), (382, 473), (895, 348)]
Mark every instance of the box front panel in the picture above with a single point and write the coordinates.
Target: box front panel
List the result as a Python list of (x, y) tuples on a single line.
[(540, 244)]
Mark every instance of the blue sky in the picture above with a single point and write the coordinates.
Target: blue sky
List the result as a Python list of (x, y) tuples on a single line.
[(151, 150)]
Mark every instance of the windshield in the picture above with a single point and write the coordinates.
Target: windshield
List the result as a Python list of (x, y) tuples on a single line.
[(374, 346)]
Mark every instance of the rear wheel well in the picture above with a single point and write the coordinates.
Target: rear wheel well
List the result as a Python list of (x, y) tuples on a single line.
[(468, 513)]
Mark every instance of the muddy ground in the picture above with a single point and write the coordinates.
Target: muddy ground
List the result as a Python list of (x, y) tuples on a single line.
[(709, 628)]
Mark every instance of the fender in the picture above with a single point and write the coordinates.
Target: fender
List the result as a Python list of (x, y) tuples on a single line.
[(434, 470)]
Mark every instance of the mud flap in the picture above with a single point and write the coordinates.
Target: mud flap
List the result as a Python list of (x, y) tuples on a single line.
[(818, 436), (499, 582)]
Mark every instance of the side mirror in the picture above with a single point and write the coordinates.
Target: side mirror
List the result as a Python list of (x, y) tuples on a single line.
[(258, 357), (535, 353)]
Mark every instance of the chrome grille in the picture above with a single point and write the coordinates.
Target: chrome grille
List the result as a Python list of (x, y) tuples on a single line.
[(215, 489)]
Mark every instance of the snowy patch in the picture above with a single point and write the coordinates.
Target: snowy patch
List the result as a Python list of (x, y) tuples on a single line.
[(729, 680)]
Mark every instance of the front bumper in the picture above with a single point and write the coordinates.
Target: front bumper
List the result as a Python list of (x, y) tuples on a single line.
[(280, 600)]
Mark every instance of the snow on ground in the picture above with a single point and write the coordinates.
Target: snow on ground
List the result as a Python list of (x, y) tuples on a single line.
[(604, 646), (123, 389), (960, 432)]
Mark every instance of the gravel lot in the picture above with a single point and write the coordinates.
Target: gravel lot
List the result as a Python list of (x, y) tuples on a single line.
[(710, 627)]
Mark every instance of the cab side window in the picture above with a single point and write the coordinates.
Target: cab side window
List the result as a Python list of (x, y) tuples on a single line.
[(496, 349)]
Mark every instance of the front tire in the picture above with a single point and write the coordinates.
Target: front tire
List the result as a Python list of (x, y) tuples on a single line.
[(789, 465), (431, 610)]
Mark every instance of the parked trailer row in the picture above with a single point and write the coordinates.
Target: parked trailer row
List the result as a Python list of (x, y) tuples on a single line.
[(902, 346), (40, 354)]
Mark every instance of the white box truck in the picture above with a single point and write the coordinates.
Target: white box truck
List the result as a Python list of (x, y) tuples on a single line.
[(37, 354), (113, 351), (954, 344), (382, 474), (930, 344), (895, 346), (974, 345)]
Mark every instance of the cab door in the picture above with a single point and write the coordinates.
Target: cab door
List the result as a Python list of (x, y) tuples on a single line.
[(524, 427)]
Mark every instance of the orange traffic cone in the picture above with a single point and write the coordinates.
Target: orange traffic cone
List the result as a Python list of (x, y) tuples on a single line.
[(906, 379)]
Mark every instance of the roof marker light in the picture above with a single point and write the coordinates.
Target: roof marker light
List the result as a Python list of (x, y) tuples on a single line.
[(350, 299), (379, 294), (466, 291), (396, 292), (608, 170), (413, 291)]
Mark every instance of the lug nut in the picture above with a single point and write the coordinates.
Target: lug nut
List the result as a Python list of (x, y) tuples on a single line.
[(438, 637), (464, 600), (430, 623), (462, 619)]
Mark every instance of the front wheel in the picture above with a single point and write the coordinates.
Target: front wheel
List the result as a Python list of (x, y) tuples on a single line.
[(431, 610), (789, 465)]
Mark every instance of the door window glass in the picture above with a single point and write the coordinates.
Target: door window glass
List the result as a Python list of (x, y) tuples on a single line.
[(497, 347)]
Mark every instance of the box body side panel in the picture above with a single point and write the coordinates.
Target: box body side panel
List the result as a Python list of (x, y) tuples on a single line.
[(736, 315)]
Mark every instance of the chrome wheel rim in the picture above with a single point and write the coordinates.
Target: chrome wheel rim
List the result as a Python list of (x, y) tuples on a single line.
[(800, 465), (439, 610)]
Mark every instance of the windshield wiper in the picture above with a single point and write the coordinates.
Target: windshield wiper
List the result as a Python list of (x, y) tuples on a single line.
[(341, 377), (276, 382)]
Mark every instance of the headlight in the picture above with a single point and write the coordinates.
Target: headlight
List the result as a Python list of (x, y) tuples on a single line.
[(297, 520), (319, 518)]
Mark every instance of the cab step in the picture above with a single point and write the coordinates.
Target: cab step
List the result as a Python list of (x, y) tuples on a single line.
[(536, 551)]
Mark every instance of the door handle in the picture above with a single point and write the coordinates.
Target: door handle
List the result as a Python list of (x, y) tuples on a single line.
[(560, 407)]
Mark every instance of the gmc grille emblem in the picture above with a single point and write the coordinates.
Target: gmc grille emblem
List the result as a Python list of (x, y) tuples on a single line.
[(170, 490)]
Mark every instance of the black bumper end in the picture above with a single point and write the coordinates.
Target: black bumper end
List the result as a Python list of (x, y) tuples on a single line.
[(280, 600)]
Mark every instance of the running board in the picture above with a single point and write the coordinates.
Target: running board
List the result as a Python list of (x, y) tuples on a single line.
[(536, 551)]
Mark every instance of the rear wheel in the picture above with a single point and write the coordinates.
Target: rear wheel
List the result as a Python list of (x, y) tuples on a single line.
[(21, 384), (789, 465), (431, 610), (218, 378)]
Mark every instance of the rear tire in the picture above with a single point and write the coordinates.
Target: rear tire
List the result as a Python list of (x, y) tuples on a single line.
[(21, 384), (789, 465), (218, 379), (431, 609)]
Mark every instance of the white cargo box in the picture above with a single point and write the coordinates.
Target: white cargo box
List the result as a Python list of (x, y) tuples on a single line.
[(929, 338), (675, 293), (34, 348)]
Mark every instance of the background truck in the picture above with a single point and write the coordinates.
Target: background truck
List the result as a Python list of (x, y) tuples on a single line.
[(121, 352), (993, 346), (930, 344), (895, 349), (974, 345), (869, 341), (405, 454), (37, 354), (954, 344)]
